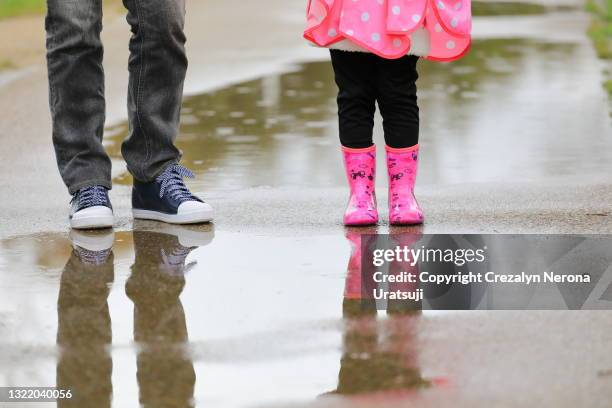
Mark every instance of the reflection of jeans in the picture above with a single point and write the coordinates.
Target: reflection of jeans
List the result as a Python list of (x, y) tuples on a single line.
[(157, 67), (166, 375), (84, 332)]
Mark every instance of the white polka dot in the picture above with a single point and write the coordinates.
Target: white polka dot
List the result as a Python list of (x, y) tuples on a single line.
[(350, 32), (416, 18), (332, 32), (396, 10), (375, 37), (365, 16), (454, 22), (450, 44), (397, 43), (458, 5), (441, 5)]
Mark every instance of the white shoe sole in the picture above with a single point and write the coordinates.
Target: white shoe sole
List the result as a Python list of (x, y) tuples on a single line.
[(189, 235), (93, 218), (92, 222), (195, 217), (93, 241)]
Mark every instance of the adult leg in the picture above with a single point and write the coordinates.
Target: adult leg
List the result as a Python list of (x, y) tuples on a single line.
[(397, 100), (76, 92), (157, 67), (355, 76)]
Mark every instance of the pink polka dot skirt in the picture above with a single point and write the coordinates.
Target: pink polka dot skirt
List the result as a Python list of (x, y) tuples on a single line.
[(384, 27)]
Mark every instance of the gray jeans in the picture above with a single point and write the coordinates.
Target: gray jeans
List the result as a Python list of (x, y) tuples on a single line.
[(157, 67)]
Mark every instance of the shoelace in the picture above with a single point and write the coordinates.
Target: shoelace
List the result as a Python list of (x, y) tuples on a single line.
[(95, 258), (174, 262), (172, 183), (91, 196)]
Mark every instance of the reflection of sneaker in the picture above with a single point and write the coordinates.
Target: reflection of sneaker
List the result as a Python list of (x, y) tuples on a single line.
[(168, 199), (187, 235), (92, 248), (90, 208), (165, 248)]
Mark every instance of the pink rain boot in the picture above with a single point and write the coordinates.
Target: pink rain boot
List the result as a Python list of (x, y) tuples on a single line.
[(360, 167), (403, 206)]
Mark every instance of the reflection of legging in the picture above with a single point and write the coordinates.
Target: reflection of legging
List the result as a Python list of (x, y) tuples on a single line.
[(364, 79), (377, 356), (84, 333)]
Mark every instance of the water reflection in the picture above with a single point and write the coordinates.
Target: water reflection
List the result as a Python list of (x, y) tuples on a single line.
[(379, 355), (280, 130), (165, 372), (166, 377), (279, 123), (84, 323)]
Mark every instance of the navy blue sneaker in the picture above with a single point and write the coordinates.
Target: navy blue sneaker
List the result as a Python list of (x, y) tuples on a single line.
[(168, 199), (90, 208)]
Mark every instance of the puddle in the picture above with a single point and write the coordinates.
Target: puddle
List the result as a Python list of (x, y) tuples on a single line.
[(190, 317), (509, 8), (175, 315), (281, 130), (9, 75)]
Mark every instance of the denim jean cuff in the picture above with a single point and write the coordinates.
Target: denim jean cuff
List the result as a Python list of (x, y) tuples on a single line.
[(88, 183), (157, 172)]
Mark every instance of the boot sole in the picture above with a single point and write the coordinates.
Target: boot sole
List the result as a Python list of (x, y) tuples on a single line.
[(406, 223), (361, 224)]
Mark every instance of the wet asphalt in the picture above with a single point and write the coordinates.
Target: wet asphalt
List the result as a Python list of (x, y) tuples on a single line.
[(249, 311)]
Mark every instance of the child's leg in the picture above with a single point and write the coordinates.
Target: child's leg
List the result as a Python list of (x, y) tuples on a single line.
[(397, 100), (355, 77)]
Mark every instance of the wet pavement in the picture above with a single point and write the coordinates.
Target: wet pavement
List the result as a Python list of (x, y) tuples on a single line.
[(179, 317), (281, 129), (266, 148), (249, 312)]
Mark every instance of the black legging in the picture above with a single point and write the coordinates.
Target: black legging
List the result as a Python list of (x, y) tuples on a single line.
[(364, 79)]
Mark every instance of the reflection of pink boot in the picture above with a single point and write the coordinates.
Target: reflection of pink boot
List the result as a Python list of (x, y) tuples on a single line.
[(403, 206), (359, 285), (360, 167)]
